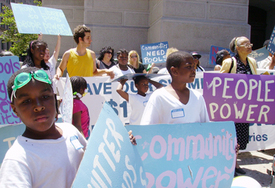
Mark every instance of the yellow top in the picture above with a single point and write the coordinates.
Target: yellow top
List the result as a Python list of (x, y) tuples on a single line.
[(80, 65)]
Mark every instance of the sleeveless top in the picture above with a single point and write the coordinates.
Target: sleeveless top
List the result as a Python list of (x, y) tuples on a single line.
[(80, 65)]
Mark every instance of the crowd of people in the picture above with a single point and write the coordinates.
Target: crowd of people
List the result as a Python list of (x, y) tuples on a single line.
[(34, 101)]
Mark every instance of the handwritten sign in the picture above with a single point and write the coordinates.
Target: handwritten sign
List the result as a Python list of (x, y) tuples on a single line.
[(34, 20), (259, 54), (271, 44), (187, 155), (213, 53), (8, 66), (110, 159), (240, 98), (154, 52)]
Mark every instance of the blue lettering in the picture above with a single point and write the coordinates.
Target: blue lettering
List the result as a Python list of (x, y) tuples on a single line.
[(124, 107), (150, 87), (201, 83), (89, 89), (265, 137), (113, 104), (195, 84), (258, 138), (165, 82), (107, 88), (97, 90), (127, 87), (133, 88)]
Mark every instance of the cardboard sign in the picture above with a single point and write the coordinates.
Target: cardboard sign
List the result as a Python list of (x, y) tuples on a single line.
[(213, 53), (240, 98), (154, 52), (34, 20), (271, 44), (259, 54), (8, 66), (187, 155), (110, 159)]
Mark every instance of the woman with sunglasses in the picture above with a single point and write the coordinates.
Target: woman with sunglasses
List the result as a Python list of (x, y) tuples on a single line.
[(240, 64), (106, 58), (134, 61)]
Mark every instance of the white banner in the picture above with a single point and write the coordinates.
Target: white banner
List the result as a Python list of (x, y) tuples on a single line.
[(100, 90)]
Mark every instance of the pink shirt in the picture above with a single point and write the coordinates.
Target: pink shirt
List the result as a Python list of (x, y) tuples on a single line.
[(79, 106)]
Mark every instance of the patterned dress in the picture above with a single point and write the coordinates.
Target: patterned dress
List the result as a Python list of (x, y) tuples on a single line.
[(242, 129)]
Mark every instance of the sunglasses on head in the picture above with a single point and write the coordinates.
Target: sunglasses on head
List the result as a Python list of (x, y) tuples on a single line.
[(24, 78)]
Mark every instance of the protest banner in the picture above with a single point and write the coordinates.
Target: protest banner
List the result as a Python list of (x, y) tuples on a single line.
[(187, 155), (154, 52), (8, 134), (110, 159), (35, 19), (271, 44), (8, 66), (213, 53), (240, 98), (259, 54)]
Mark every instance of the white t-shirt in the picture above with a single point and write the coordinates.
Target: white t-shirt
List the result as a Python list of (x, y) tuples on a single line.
[(118, 72), (43, 163), (164, 108), (137, 104), (264, 64)]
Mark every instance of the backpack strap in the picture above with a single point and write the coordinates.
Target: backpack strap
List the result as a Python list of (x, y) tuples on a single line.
[(232, 64)]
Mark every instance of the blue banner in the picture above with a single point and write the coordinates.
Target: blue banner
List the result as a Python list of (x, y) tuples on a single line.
[(187, 155), (259, 54), (271, 45), (34, 20), (154, 52), (110, 159), (8, 66), (213, 53)]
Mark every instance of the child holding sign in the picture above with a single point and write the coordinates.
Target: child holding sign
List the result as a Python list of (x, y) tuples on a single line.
[(176, 103), (137, 101), (47, 154)]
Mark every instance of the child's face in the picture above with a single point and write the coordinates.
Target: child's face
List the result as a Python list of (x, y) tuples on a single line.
[(186, 73), (35, 106), (142, 86), (38, 52)]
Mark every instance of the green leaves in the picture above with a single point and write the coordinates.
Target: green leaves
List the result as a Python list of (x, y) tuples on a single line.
[(20, 42)]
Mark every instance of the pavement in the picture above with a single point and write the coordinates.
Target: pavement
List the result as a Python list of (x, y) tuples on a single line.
[(256, 163)]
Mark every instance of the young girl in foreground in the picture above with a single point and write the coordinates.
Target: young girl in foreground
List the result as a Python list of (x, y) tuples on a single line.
[(81, 118), (47, 154), (137, 101)]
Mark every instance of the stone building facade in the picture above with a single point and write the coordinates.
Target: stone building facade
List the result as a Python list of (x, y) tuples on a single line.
[(190, 25)]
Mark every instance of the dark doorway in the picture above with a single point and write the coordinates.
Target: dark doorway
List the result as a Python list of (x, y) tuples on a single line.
[(257, 21)]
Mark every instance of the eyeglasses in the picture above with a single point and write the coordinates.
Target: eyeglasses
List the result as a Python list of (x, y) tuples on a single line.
[(247, 45), (24, 78), (134, 56), (108, 52), (196, 57)]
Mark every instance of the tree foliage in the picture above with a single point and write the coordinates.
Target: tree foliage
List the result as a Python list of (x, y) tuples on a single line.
[(20, 42)]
